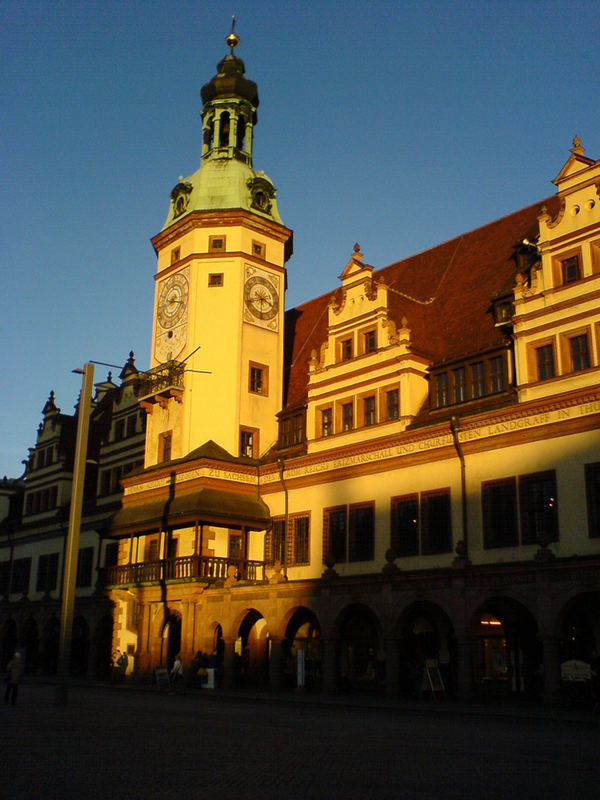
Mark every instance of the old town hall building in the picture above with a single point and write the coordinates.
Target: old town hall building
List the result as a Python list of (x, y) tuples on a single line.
[(393, 487)]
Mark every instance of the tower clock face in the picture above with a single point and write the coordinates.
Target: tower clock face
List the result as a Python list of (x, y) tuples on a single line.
[(173, 300), (171, 316), (261, 298)]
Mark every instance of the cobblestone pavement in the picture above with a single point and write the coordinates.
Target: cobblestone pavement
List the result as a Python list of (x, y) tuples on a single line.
[(146, 745)]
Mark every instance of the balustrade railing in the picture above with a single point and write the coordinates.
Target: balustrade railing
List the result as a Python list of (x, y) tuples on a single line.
[(184, 568), (162, 377)]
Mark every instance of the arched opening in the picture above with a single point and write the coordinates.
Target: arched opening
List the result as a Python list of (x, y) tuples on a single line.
[(360, 663), (102, 648), (506, 652), (224, 129), (251, 664), (31, 643), (80, 646), (580, 651), (241, 133), (49, 646), (208, 135), (171, 639), (426, 644), (302, 652), (8, 642)]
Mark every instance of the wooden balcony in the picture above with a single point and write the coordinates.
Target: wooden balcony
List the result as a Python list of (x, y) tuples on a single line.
[(179, 570)]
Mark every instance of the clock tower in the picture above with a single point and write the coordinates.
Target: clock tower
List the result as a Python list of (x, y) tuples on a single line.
[(217, 342)]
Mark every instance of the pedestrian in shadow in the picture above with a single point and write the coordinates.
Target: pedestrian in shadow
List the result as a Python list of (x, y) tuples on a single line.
[(14, 668)]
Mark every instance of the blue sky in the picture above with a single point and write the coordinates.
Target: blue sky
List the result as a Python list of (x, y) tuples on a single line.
[(393, 124)]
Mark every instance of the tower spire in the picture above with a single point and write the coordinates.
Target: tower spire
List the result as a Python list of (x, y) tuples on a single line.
[(232, 40)]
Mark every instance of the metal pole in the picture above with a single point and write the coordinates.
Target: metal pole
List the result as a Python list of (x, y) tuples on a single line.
[(72, 549)]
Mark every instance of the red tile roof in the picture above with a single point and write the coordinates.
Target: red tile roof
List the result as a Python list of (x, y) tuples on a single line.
[(445, 294)]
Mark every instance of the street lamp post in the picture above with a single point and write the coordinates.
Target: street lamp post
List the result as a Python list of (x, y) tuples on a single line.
[(72, 548)]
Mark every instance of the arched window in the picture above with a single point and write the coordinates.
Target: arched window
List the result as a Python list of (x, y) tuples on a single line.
[(224, 130), (241, 133)]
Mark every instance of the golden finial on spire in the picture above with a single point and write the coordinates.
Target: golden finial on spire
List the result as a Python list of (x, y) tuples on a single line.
[(232, 39)]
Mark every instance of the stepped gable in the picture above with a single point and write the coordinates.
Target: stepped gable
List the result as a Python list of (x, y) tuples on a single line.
[(445, 293)]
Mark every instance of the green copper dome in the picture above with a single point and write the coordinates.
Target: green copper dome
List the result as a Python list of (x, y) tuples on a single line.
[(226, 179)]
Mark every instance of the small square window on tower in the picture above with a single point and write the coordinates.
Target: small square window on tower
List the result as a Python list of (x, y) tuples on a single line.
[(215, 279), (216, 244), (258, 249), (175, 254)]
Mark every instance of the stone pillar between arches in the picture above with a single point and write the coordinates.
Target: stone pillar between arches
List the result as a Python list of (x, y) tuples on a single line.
[(328, 665), (276, 665), (228, 681), (551, 655), (464, 668), (392, 669)]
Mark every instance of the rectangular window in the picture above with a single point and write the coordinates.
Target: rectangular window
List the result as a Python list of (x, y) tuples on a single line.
[(152, 550), (436, 525), (216, 244), (235, 546), (298, 428), (499, 506), (361, 538), (537, 496), (592, 491), (215, 279), (275, 542), (477, 380), (579, 352), (20, 576), (369, 411), (544, 359), (326, 422), (347, 417), (249, 442), (105, 482), (85, 563), (393, 404), (570, 269), (346, 346), (258, 379), (111, 554), (119, 430), (335, 534), (286, 432), (301, 538), (370, 340), (131, 424), (258, 249), (496, 374), (4, 577), (460, 384), (175, 255), (404, 529), (165, 445), (47, 572), (441, 390)]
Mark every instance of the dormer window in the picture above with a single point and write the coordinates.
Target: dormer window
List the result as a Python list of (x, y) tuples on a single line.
[(503, 312)]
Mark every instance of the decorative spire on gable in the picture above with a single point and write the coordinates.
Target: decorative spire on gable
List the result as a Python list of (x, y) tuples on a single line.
[(50, 406), (129, 371)]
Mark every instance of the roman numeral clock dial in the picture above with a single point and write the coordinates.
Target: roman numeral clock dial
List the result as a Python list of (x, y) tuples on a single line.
[(261, 298), (171, 316)]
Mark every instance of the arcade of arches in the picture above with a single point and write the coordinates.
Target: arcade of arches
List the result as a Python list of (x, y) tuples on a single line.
[(265, 638), (503, 648)]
